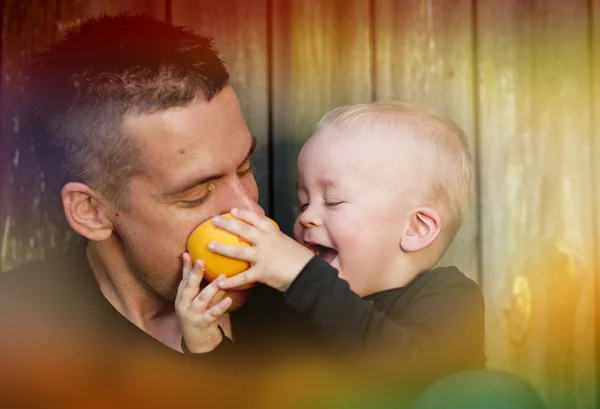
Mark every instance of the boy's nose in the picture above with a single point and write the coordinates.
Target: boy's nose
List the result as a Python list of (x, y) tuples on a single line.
[(309, 218)]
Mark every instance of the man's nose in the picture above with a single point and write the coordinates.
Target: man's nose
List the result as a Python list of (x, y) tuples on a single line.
[(243, 196), (248, 203)]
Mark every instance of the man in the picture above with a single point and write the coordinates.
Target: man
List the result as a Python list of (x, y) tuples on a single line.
[(138, 129), (139, 132)]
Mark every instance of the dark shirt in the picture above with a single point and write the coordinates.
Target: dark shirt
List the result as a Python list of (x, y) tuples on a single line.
[(429, 329), (440, 306), (62, 294), (433, 326)]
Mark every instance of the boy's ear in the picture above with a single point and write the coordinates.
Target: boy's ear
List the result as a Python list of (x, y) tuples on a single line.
[(86, 211), (424, 227)]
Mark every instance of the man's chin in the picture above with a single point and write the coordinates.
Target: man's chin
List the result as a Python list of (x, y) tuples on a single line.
[(238, 297)]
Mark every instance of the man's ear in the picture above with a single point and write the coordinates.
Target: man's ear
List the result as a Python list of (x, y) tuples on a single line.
[(86, 211), (424, 227)]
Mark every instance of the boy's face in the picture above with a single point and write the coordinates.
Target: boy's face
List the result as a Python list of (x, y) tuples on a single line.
[(354, 190)]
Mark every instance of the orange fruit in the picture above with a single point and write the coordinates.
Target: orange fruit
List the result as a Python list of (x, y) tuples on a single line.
[(215, 264)]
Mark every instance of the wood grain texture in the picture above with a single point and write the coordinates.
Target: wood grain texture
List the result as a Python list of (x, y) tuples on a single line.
[(322, 58), (25, 232), (156, 8), (537, 194), (424, 55), (239, 29), (596, 159), (31, 222)]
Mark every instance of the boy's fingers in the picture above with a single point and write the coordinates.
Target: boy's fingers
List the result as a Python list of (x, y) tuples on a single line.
[(237, 227), (237, 251), (187, 269), (221, 308), (261, 222), (246, 277), (206, 295), (196, 275), (218, 297), (187, 265), (191, 286)]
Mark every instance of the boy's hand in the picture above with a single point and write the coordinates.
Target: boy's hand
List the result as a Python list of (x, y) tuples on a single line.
[(276, 258), (198, 310)]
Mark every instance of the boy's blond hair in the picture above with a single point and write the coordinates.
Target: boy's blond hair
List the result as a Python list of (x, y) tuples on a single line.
[(445, 159)]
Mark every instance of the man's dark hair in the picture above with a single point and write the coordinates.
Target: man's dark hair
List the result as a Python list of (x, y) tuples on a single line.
[(81, 88)]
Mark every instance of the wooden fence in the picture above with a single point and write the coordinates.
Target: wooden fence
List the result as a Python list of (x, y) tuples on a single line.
[(519, 76)]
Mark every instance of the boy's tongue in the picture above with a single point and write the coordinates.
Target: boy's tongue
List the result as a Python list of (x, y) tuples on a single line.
[(326, 253)]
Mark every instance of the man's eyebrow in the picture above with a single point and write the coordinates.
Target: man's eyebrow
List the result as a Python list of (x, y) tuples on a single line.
[(252, 148), (202, 180)]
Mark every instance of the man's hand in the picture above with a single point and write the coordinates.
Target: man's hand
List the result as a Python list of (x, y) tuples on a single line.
[(276, 259), (195, 310)]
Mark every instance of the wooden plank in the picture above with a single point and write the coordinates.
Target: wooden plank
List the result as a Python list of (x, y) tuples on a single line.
[(156, 8), (31, 223), (536, 192), (239, 29), (424, 55), (596, 159), (322, 59)]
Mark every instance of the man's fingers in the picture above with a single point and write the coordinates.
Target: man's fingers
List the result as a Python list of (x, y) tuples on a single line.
[(237, 251)]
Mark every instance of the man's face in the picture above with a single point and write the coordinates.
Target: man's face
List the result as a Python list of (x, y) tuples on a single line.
[(196, 165)]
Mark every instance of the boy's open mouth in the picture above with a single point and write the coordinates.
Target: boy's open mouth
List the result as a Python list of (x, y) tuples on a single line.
[(326, 253)]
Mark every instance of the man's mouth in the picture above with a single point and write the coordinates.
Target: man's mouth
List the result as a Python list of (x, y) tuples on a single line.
[(326, 253)]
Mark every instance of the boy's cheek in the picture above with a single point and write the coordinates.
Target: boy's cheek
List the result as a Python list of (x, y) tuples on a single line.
[(298, 232)]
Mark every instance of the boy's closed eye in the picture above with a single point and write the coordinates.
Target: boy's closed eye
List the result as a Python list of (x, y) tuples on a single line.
[(333, 203), (328, 203)]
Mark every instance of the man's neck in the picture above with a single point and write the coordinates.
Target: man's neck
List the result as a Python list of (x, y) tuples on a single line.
[(119, 285)]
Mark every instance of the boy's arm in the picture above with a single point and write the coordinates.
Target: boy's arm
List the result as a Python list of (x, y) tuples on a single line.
[(225, 349), (444, 319), (441, 325)]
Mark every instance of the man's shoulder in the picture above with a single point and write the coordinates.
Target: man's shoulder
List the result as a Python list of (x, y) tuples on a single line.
[(53, 275), (24, 271)]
